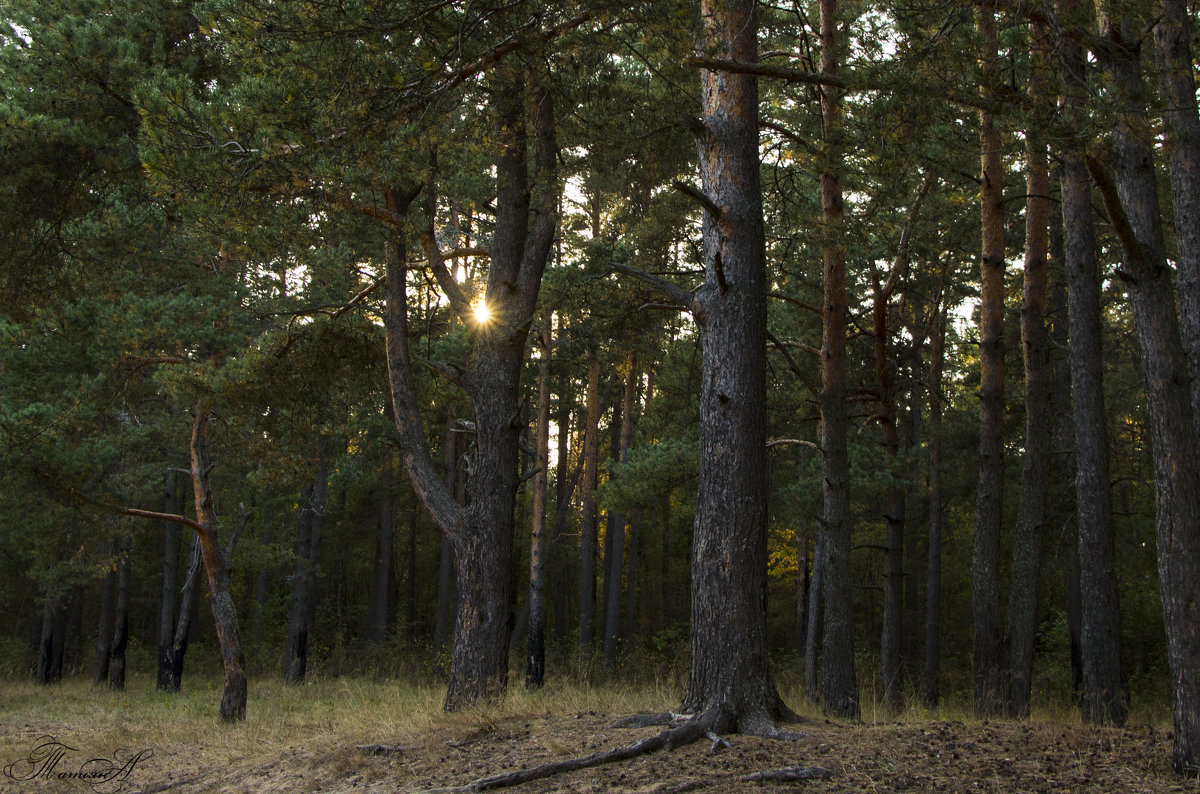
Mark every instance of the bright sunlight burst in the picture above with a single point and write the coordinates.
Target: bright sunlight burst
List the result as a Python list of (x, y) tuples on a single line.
[(482, 312)]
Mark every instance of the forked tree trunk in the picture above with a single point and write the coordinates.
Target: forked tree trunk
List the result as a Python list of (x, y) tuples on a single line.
[(839, 688), (1104, 699), (481, 533), (729, 682), (1131, 198), (1035, 475), (588, 522), (989, 503)]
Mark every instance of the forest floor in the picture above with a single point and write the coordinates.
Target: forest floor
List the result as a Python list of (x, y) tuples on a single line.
[(319, 738)]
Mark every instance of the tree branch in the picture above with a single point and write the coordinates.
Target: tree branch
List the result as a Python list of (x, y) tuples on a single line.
[(668, 290), (698, 195), (172, 517)]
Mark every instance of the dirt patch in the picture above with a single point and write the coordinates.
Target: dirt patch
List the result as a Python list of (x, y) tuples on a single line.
[(917, 756)]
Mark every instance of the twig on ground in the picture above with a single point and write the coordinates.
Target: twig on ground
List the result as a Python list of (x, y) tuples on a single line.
[(381, 749), (717, 741)]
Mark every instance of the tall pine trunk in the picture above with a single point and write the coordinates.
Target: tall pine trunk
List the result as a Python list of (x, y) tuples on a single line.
[(535, 659), (615, 542), (588, 522), (120, 638), (933, 575)]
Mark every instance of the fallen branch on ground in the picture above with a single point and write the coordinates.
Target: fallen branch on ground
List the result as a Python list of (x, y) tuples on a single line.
[(790, 774)]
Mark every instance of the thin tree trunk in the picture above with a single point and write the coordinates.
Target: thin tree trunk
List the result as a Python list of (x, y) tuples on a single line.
[(45, 670), (1035, 474), (632, 602), (839, 689), (615, 563), (104, 631), (304, 580), (588, 522), (445, 591), (170, 575), (120, 640), (187, 610), (812, 629), (985, 555), (933, 575), (381, 582), (535, 667), (261, 575), (1104, 699)]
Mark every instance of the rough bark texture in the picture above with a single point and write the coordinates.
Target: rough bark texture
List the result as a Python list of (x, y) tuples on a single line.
[(535, 659), (1035, 474), (588, 523), (481, 533), (985, 555), (839, 689), (1173, 51), (1104, 699), (1131, 198), (729, 682)]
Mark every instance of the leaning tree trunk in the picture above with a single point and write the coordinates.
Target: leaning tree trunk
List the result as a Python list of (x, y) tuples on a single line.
[(1104, 699), (729, 683), (839, 690), (216, 566), (1035, 474), (1131, 197)]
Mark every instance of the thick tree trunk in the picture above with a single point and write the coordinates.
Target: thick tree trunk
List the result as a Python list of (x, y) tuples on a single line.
[(1104, 699), (1173, 51), (989, 503), (1035, 474), (1132, 204), (120, 638), (216, 566), (588, 522), (535, 659), (481, 533), (170, 575), (730, 679), (378, 612), (839, 688), (933, 575)]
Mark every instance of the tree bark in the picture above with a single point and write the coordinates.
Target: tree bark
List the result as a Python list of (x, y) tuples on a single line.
[(481, 533), (535, 660), (588, 523), (1035, 474), (839, 689), (729, 682), (985, 555), (933, 575), (183, 626), (104, 631), (1173, 52), (615, 561), (1131, 198), (445, 591), (1104, 699), (120, 639)]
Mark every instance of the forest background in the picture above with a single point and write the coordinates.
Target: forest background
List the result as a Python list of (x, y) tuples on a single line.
[(245, 253)]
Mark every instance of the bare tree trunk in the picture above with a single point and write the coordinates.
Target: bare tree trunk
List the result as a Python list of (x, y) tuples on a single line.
[(729, 682), (445, 591), (839, 688), (1035, 475), (1104, 699), (120, 640), (933, 576), (48, 665), (616, 528), (183, 626), (104, 631), (535, 667), (812, 628), (304, 580), (1131, 199), (588, 523), (985, 556), (170, 575)]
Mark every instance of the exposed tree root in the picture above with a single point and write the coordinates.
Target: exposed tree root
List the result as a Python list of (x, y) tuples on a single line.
[(683, 730)]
